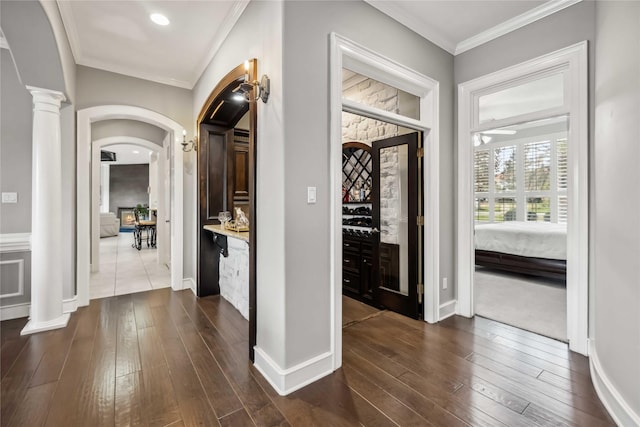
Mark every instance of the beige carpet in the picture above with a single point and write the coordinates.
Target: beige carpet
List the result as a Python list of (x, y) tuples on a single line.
[(536, 304)]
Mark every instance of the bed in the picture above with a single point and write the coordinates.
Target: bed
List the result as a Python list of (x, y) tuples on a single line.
[(534, 248)]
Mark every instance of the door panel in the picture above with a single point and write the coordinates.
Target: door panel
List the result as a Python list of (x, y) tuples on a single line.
[(395, 213)]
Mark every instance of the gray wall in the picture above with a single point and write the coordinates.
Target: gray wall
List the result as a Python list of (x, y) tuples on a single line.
[(569, 26), (97, 87), (15, 148), (616, 299), (128, 186), (307, 26), (10, 265), (108, 128)]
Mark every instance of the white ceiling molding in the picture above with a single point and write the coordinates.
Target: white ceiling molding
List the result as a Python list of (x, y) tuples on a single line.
[(81, 59), (222, 33), (3, 42), (513, 24), (413, 23), (70, 27)]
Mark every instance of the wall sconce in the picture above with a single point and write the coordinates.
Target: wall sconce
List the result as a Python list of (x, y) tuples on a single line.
[(188, 146), (262, 87)]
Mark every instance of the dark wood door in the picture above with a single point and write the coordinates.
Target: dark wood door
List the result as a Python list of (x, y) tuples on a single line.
[(213, 189), (395, 224)]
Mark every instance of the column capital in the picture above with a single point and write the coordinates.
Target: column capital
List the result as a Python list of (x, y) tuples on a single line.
[(46, 96)]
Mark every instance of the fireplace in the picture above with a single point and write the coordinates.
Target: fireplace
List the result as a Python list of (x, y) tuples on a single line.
[(127, 217)]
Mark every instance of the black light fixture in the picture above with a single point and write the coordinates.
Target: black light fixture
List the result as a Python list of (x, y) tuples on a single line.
[(188, 146), (262, 87)]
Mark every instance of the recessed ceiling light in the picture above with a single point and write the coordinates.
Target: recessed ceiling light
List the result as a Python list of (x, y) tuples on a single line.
[(159, 19), (136, 152)]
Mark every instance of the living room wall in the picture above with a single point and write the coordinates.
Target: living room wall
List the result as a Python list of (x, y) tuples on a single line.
[(128, 186)]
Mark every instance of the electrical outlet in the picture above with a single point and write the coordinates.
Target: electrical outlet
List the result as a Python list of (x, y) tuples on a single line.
[(444, 283), (9, 197)]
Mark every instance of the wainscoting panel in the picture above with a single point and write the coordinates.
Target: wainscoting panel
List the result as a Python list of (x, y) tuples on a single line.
[(15, 271)]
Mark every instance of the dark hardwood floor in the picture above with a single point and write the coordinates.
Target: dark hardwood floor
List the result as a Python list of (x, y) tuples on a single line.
[(164, 358)]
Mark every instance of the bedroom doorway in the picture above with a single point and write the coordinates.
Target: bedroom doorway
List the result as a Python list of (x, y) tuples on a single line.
[(522, 162), (520, 224)]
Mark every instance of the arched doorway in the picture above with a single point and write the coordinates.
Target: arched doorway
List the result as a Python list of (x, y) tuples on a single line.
[(217, 120), (88, 220)]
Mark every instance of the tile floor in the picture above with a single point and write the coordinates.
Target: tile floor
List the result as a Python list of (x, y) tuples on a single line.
[(125, 270)]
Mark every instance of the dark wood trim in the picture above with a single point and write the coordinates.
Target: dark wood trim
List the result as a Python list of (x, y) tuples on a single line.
[(231, 79), (541, 267), (356, 144)]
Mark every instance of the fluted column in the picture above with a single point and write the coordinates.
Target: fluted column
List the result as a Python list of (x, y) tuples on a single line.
[(46, 222)]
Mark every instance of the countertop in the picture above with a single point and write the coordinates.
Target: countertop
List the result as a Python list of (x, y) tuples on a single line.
[(216, 228)]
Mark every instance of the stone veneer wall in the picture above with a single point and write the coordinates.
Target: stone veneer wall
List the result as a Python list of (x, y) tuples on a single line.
[(363, 129), (366, 130), (234, 275)]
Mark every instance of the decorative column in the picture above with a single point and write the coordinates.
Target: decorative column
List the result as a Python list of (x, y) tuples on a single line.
[(46, 222)]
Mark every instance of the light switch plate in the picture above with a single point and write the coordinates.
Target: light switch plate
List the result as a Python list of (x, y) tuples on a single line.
[(9, 197), (311, 195)]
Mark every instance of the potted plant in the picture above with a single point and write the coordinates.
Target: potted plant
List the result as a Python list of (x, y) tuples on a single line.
[(141, 211)]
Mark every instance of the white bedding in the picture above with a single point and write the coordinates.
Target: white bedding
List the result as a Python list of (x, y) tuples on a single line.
[(529, 239)]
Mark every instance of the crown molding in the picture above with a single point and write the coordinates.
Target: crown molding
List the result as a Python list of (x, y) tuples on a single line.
[(225, 28), (70, 27), (513, 24), (221, 35), (396, 12), (106, 66)]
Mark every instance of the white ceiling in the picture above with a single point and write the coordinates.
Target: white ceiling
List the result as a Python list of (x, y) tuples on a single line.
[(118, 36)]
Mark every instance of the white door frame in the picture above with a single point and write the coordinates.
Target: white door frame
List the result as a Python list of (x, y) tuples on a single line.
[(84, 209), (163, 168), (573, 62), (348, 54)]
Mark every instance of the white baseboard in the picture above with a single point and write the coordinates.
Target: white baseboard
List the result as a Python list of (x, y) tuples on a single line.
[(448, 309), (286, 381), (189, 283), (17, 311), (618, 408)]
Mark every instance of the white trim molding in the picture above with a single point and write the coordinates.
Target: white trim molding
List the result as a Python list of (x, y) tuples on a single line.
[(286, 381), (448, 309), (20, 291), (572, 63), (189, 283), (85, 118), (16, 311), (621, 412), (513, 24), (345, 53), (397, 12), (15, 242)]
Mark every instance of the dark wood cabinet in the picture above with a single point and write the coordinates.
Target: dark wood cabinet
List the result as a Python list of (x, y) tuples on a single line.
[(357, 265)]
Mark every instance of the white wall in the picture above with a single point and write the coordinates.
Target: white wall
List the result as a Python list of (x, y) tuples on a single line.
[(616, 296)]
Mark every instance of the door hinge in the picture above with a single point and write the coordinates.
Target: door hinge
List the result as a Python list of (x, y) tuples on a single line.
[(420, 292), (420, 152), (420, 220)]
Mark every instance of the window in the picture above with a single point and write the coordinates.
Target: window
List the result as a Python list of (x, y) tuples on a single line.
[(520, 172)]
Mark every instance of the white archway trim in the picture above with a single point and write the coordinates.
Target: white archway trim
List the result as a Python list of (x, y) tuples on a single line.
[(572, 61), (91, 115), (97, 145), (344, 52)]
